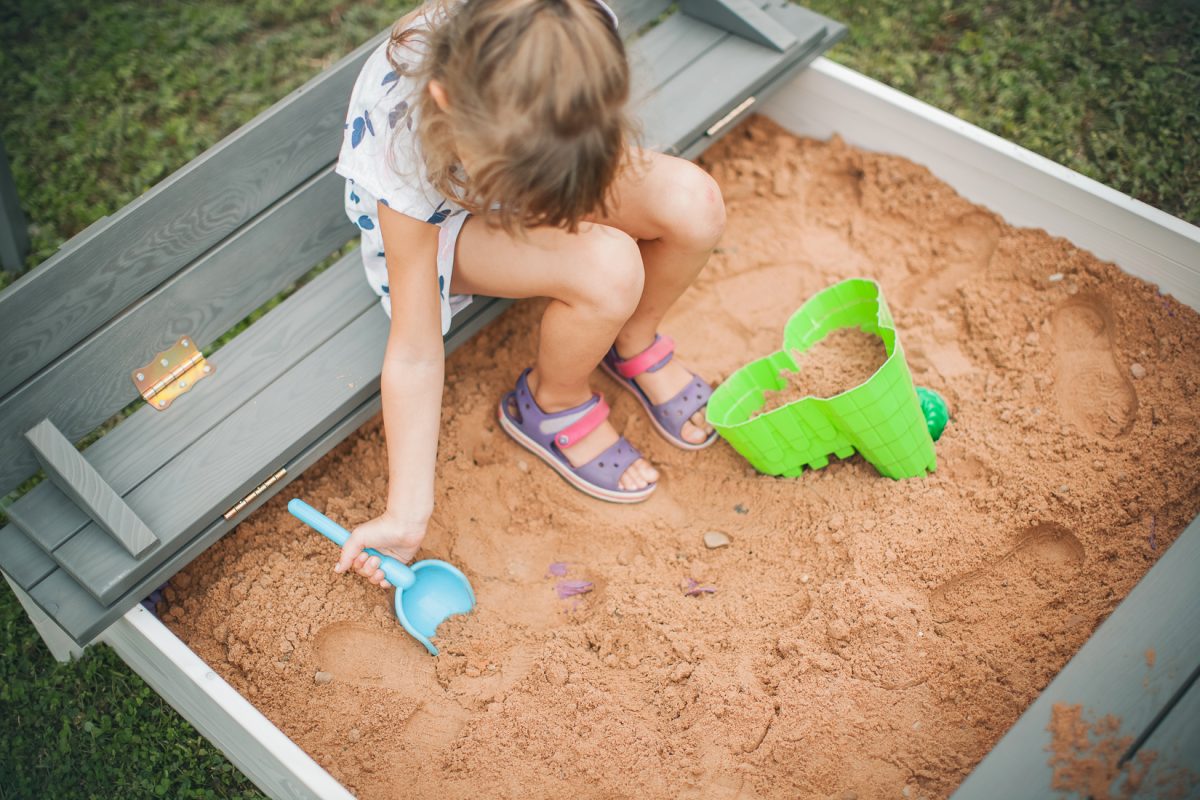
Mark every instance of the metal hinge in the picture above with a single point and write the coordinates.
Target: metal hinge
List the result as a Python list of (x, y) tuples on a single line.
[(248, 499), (730, 117), (172, 372)]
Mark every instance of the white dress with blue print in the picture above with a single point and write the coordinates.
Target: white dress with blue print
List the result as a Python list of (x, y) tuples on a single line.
[(379, 160)]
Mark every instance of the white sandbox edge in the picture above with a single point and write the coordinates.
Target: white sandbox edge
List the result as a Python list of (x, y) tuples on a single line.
[(1023, 187), (826, 98), (264, 753)]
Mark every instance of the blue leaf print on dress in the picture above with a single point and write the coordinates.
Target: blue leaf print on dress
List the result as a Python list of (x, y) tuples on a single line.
[(385, 288), (396, 113), (442, 286), (354, 198), (362, 125), (366, 223), (391, 77), (439, 214)]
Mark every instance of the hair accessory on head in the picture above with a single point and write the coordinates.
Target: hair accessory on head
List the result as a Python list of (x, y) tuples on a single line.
[(612, 15)]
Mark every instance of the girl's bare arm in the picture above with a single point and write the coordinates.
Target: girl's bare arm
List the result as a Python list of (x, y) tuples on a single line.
[(412, 380)]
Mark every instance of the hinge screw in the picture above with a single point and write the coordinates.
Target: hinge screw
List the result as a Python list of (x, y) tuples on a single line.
[(141, 377), (183, 384), (162, 403), (164, 362), (184, 342)]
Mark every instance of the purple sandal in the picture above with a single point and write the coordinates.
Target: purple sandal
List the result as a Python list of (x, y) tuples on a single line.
[(544, 434), (668, 417)]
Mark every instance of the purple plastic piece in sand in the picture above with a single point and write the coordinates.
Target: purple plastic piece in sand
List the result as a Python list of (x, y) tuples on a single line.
[(558, 569), (567, 589), (693, 588)]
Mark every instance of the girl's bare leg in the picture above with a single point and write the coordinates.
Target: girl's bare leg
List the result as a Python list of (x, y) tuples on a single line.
[(594, 279), (675, 212)]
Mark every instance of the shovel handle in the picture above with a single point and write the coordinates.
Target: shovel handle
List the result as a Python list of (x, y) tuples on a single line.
[(397, 573)]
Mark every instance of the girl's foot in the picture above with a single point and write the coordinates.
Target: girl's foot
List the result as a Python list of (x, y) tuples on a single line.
[(674, 397), (579, 444)]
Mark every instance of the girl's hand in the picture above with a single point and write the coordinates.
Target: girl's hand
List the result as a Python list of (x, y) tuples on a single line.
[(390, 534)]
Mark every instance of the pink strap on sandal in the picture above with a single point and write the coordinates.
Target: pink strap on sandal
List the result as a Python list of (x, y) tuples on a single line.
[(670, 416), (653, 357)]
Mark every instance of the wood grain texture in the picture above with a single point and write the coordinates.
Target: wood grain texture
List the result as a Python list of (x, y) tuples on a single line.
[(681, 109), (1110, 674), (666, 51), (797, 19), (742, 18), (148, 439), (84, 617), (279, 423), (21, 559), (1175, 748), (14, 237), (60, 645), (259, 749), (633, 14), (80, 481), (119, 259), (91, 382)]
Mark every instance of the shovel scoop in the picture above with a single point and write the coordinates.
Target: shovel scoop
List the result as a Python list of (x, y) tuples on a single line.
[(426, 593)]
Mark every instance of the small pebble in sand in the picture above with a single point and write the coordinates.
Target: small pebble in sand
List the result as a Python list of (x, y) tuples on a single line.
[(741, 509), (805, 578), (522, 465), (836, 522), (682, 672), (716, 539), (1055, 278), (354, 735), (1137, 370), (323, 677)]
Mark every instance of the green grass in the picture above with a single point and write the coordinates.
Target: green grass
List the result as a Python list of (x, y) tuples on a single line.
[(101, 103), (1109, 88)]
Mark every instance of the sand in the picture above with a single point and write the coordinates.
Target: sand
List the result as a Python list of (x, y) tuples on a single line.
[(839, 361), (865, 637)]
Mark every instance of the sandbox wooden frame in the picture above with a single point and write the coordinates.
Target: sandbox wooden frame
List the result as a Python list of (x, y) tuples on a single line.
[(1024, 188)]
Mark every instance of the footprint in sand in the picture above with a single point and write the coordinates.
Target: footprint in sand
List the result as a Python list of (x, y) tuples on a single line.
[(364, 656), (1093, 392), (1016, 585), (971, 243)]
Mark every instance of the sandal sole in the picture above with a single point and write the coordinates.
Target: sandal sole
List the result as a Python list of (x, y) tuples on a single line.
[(590, 489), (682, 444)]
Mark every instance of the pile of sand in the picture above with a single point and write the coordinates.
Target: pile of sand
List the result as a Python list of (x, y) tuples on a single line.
[(865, 637)]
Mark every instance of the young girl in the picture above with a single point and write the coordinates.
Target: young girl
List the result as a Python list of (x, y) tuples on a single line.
[(487, 151)]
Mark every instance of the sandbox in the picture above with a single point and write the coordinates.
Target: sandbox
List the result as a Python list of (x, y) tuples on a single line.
[(864, 637)]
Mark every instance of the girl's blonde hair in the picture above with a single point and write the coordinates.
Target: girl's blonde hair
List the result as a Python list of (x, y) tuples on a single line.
[(536, 99)]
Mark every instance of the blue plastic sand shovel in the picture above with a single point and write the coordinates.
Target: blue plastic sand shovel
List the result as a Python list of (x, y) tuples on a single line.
[(426, 593)]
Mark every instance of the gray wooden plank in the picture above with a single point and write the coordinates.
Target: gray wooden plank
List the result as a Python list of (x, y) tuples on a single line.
[(633, 14), (743, 18), (14, 237), (21, 559), (1174, 747), (114, 262), (147, 440), (797, 19), (1110, 673), (80, 481), (202, 301), (682, 109), (665, 51), (276, 425), (83, 617)]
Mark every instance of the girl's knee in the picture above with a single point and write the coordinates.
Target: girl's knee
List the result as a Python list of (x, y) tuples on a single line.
[(694, 211), (609, 271)]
